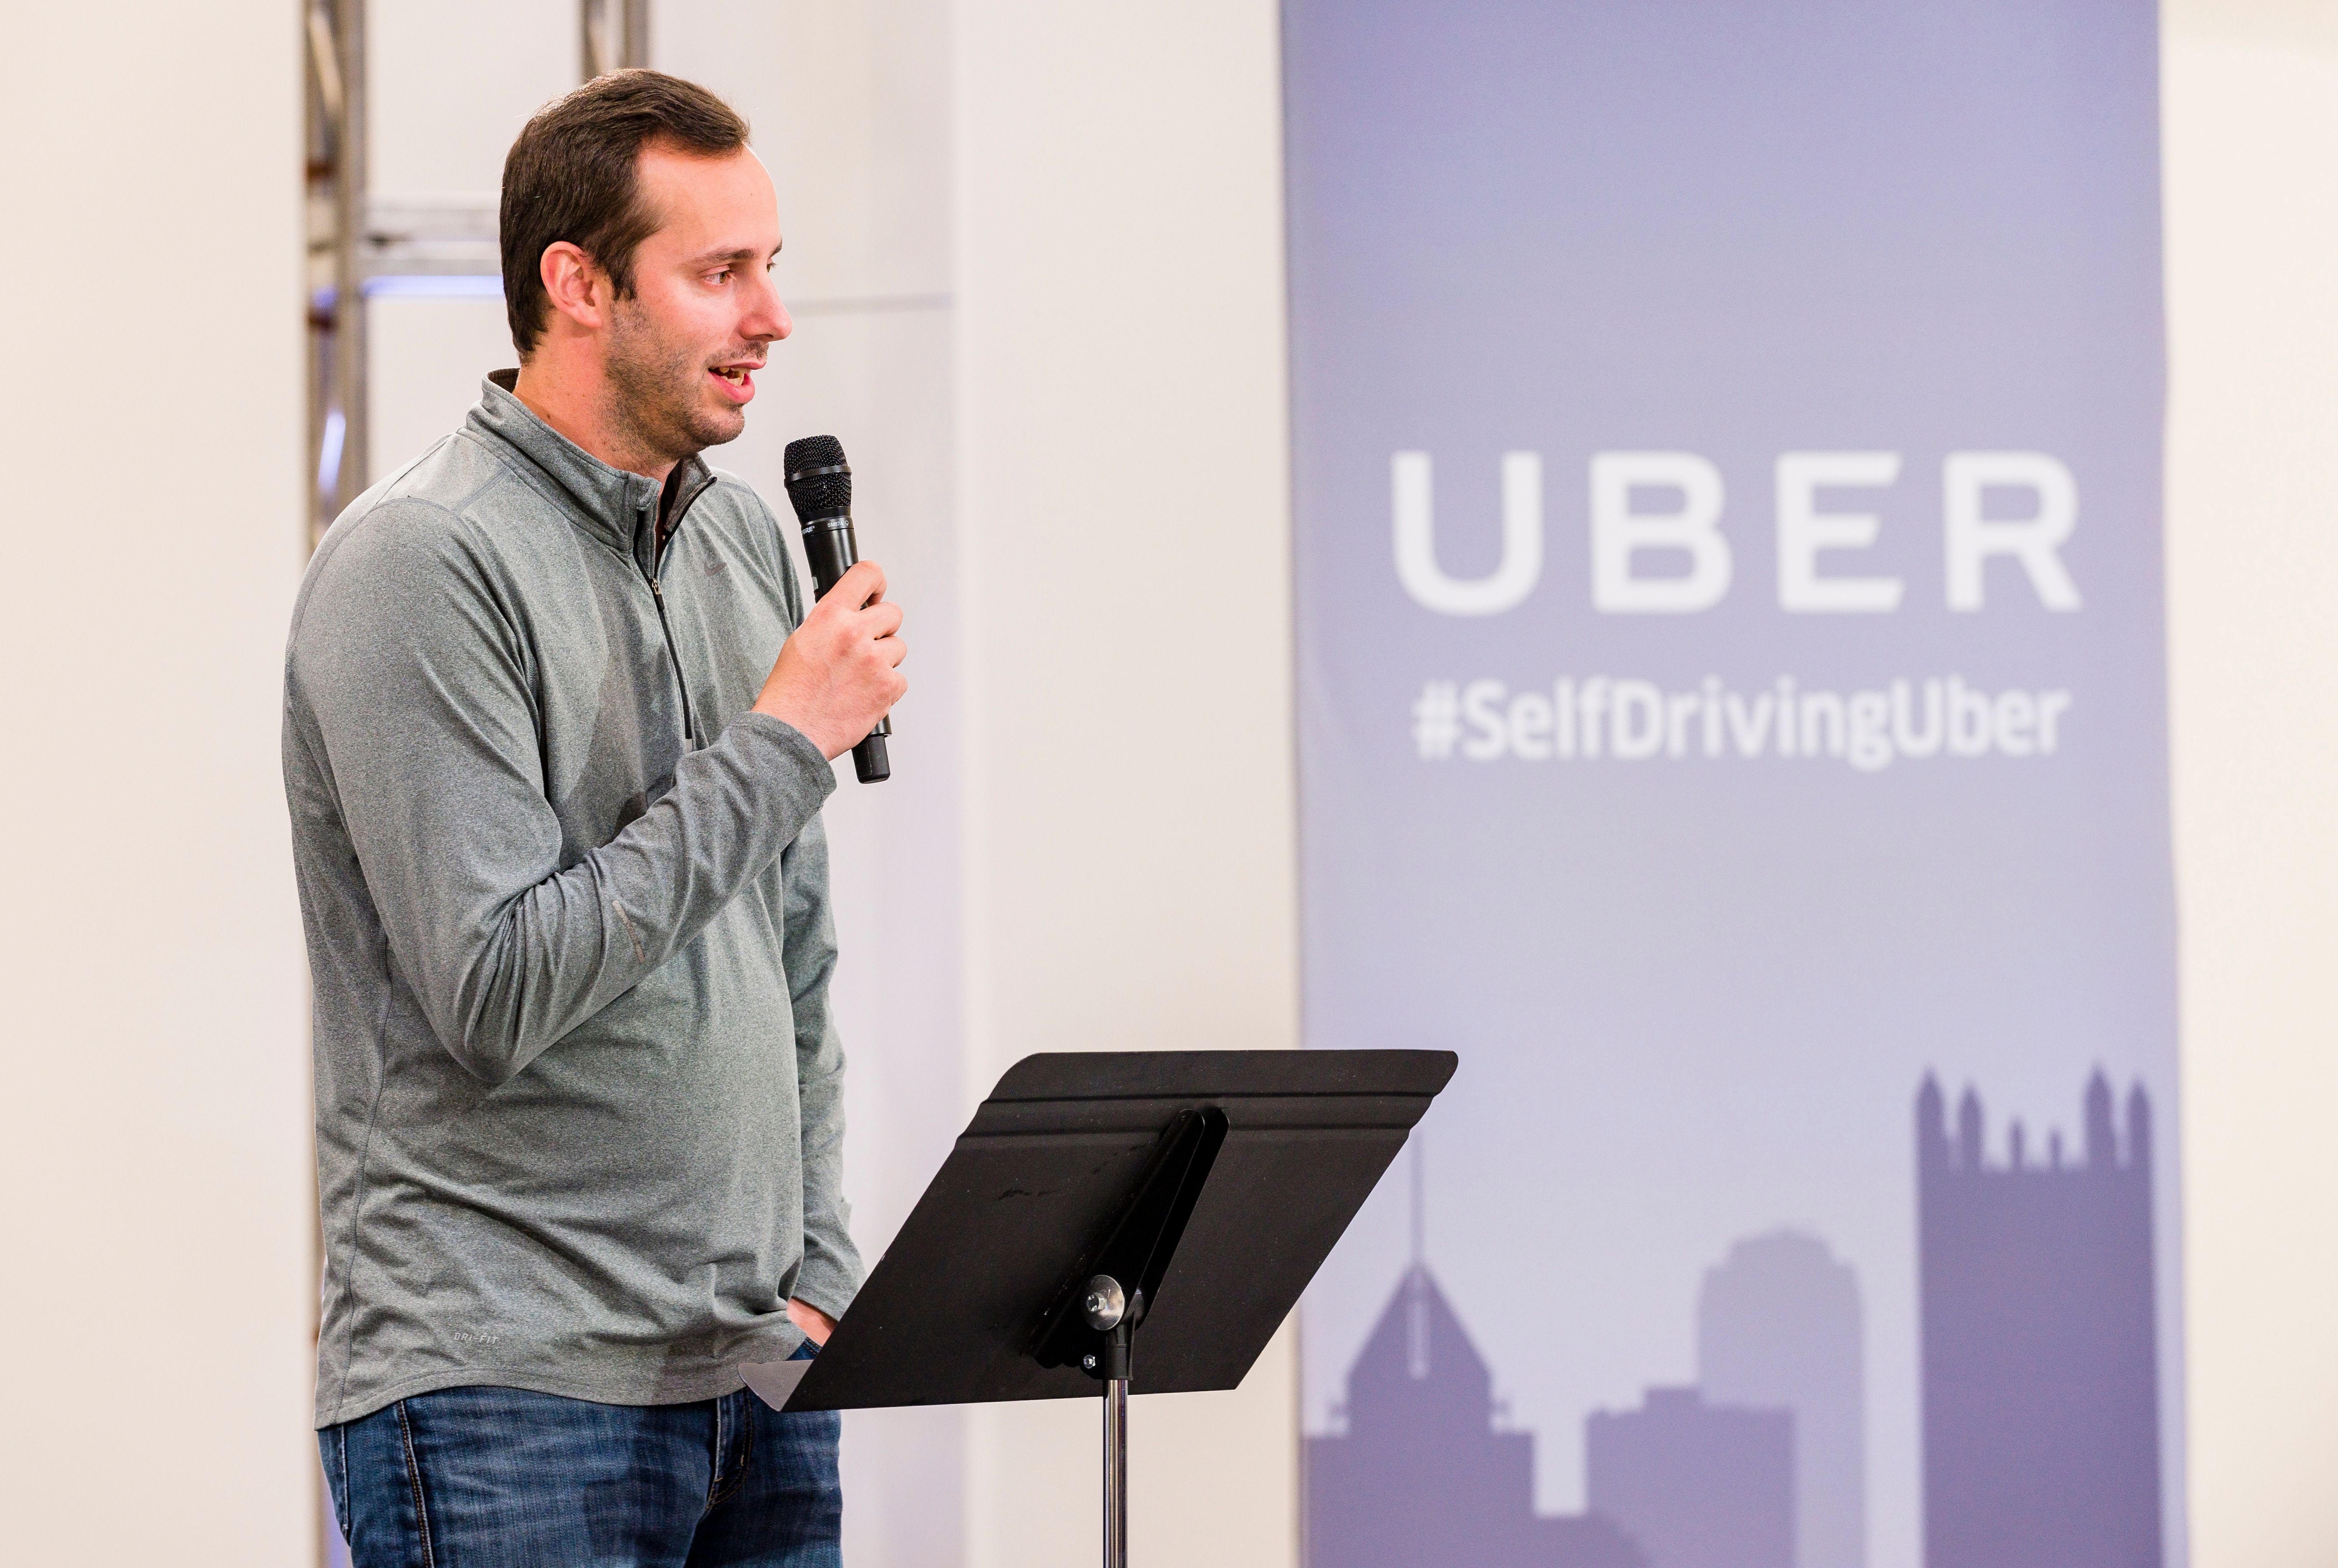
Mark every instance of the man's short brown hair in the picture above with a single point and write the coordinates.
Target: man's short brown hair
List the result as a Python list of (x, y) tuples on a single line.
[(574, 175)]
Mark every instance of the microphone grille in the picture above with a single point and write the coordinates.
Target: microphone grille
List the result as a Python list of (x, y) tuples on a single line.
[(814, 495)]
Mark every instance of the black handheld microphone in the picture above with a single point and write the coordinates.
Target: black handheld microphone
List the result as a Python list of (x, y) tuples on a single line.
[(819, 487)]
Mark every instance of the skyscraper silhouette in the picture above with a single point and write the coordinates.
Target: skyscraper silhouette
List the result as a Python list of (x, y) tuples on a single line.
[(1697, 1486), (2040, 1351), (1422, 1476), (1778, 1324)]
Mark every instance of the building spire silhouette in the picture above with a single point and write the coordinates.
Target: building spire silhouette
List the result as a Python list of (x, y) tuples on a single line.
[(1419, 1203), (1417, 1275), (1426, 1471), (2041, 1348), (2102, 1136)]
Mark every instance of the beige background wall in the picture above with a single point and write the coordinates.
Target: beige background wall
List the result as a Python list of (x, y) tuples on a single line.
[(2252, 145), (1128, 800), (1036, 248), (155, 1285)]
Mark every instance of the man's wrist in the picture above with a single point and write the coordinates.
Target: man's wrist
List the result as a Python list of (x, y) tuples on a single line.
[(816, 1323), (787, 734), (814, 741)]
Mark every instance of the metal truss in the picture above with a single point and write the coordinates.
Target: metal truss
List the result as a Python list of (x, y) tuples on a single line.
[(361, 243)]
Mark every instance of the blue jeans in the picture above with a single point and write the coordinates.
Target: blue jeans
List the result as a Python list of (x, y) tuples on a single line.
[(485, 1477)]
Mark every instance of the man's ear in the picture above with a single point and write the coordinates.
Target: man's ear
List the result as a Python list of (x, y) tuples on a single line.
[(577, 289)]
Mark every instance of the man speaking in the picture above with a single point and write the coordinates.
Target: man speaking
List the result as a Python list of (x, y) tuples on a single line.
[(557, 728)]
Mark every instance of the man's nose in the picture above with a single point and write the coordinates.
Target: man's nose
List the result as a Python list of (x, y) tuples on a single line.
[(767, 318)]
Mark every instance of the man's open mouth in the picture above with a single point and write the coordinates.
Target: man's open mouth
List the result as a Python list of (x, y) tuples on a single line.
[(738, 380)]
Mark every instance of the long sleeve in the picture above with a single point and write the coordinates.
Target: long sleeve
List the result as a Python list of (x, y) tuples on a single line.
[(410, 658), (832, 1271)]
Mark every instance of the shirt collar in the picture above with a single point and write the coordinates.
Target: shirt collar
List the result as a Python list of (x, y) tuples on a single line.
[(615, 504)]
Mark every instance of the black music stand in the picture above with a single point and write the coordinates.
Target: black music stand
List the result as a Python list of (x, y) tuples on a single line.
[(1192, 1194)]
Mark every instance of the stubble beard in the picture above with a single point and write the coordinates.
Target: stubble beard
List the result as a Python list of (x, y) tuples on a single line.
[(659, 401)]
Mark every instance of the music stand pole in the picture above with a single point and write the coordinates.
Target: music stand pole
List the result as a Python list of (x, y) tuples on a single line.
[(1106, 1308), (1116, 1473)]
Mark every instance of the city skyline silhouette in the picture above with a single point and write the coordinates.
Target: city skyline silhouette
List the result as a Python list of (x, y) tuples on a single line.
[(2039, 1386), (1424, 1470)]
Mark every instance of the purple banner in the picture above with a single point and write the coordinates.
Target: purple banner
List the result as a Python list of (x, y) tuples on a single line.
[(1727, 462)]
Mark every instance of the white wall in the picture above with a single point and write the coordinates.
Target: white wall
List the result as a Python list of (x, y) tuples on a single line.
[(1130, 872), (154, 1273), (2252, 142)]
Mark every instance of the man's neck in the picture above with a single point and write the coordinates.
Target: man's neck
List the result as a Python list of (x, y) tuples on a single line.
[(576, 406)]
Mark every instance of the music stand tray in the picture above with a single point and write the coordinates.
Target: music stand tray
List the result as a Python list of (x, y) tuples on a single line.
[(1188, 1194)]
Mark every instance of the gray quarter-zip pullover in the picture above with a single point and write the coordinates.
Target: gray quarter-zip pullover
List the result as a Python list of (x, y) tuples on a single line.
[(578, 1098)]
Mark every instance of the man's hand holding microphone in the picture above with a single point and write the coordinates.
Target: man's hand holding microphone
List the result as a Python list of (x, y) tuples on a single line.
[(841, 673)]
